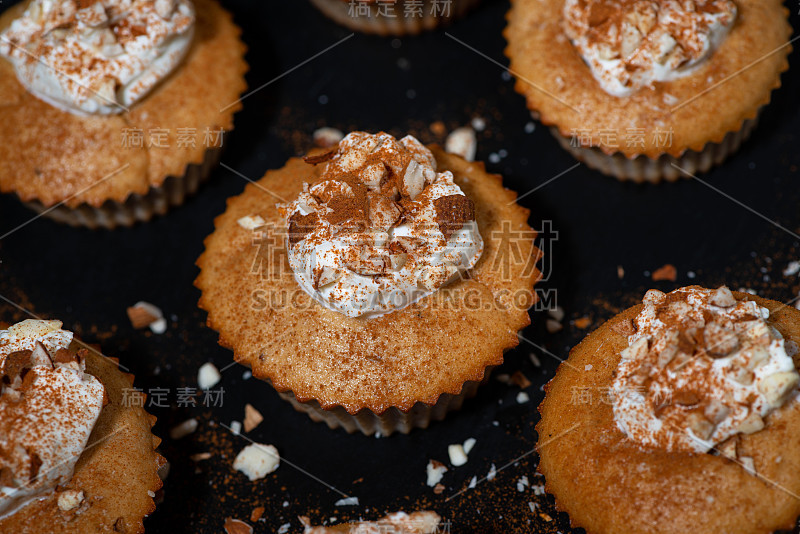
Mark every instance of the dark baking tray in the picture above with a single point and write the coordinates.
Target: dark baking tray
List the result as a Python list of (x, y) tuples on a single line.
[(738, 226)]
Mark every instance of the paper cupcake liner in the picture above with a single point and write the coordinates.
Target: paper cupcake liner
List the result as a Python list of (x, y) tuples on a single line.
[(409, 18), (392, 420), (644, 169), (135, 208)]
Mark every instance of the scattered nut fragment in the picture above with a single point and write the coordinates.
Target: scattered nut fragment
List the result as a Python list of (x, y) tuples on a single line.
[(347, 501), (435, 471), (583, 323), (143, 314), (327, 137), (520, 380), (257, 461), (252, 418), (553, 326), (438, 489), (462, 142), (251, 222), (236, 428), (457, 455), (208, 376), (469, 444), (235, 526), (620, 272), (184, 429), (257, 513), (556, 313), (70, 499), (200, 456), (438, 128), (667, 272), (792, 268)]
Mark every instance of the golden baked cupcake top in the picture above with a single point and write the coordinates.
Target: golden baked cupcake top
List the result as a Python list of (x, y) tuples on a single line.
[(417, 353), (162, 118), (380, 229), (97, 57), (647, 77)]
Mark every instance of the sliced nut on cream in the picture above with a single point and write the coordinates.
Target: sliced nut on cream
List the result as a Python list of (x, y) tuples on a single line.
[(383, 212), (720, 341), (723, 297), (751, 424), (777, 386), (326, 276), (700, 426), (413, 180)]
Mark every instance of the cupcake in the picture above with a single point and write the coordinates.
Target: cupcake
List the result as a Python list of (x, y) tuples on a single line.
[(77, 452), (374, 285), (397, 523), (648, 90), (679, 415), (394, 17), (109, 115)]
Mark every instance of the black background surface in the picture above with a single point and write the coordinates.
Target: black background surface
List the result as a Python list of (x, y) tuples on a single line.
[(87, 278)]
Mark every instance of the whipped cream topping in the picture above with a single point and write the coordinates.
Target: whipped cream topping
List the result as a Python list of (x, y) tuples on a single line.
[(629, 44), (48, 408), (381, 229), (97, 56), (700, 368)]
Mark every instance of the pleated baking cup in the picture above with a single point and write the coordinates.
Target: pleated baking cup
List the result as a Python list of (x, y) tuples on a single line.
[(136, 207), (392, 420), (400, 17), (644, 169)]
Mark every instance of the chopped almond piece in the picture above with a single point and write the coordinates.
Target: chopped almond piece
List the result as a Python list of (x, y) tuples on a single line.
[(252, 418), (235, 526), (258, 511), (667, 272), (520, 380)]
